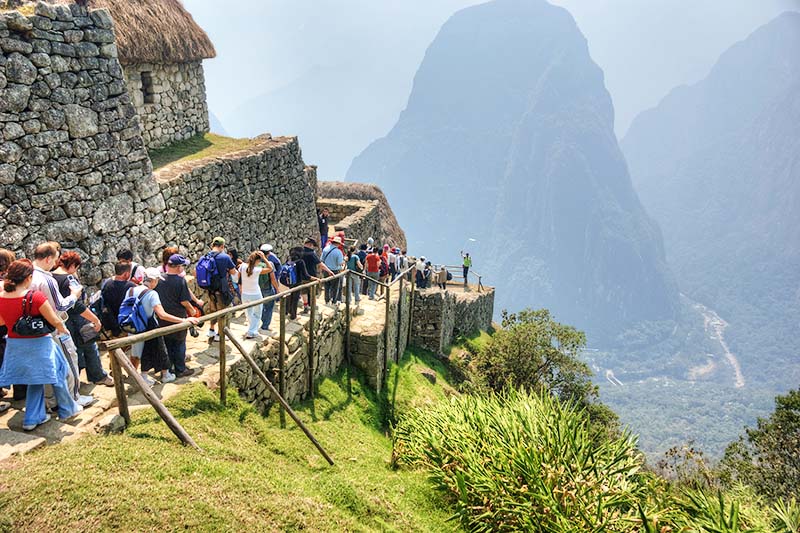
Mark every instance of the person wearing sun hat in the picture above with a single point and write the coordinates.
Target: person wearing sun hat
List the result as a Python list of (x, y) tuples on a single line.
[(333, 259)]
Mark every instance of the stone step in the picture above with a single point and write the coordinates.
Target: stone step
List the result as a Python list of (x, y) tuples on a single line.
[(16, 443)]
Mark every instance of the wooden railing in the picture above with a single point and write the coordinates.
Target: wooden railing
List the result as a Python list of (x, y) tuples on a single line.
[(119, 359), (458, 274)]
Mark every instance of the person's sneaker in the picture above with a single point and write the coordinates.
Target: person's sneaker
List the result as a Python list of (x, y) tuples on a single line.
[(73, 415), (4, 406), (108, 381), (211, 333), (86, 401), (266, 331), (306, 310), (186, 373), (31, 427), (147, 379), (167, 377)]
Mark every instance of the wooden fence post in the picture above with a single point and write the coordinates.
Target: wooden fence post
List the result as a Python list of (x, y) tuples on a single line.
[(349, 277), (223, 386), (151, 397), (386, 330), (119, 388), (312, 301), (281, 400), (399, 316), (282, 357), (411, 301)]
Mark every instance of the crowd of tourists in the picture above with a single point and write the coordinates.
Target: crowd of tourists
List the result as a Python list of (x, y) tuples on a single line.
[(50, 326)]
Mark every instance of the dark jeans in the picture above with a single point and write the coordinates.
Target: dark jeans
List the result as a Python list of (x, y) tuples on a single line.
[(266, 309), (293, 298), (333, 292), (89, 358), (466, 272), (176, 350)]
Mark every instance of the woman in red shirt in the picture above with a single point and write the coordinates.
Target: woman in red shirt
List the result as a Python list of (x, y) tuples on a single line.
[(34, 361)]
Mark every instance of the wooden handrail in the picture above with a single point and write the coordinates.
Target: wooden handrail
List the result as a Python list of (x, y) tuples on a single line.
[(124, 342)]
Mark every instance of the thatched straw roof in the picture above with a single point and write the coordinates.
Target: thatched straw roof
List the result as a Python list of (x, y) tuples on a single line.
[(155, 31)]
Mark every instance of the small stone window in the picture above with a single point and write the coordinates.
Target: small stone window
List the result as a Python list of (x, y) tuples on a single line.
[(147, 88)]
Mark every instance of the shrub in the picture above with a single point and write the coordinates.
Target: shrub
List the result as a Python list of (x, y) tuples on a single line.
[(524, 461)]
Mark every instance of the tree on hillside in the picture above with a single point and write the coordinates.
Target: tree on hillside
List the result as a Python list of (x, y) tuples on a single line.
[(533, 352), (768, 457)]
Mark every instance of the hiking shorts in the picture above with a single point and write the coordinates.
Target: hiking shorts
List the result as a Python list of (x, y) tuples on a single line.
[(215, 301)]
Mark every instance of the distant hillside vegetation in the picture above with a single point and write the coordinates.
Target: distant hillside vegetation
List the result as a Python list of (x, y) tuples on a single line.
[(718, 165)]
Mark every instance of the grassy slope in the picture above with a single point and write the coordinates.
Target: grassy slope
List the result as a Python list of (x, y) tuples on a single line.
[(252, 476), (197, 147)]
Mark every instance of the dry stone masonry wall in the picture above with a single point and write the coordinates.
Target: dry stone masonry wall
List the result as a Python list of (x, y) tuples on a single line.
[(359, 219), (262, 194), (441, 316), (170, 100), (73, 166)]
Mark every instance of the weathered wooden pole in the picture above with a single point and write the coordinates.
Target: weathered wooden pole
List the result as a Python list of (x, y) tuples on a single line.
[(281, 400), (399, 316), (312, 301), (411, 301), (349, 277), (119, 388), (151, 397), (223, 385), (386, 330), (282, 357)]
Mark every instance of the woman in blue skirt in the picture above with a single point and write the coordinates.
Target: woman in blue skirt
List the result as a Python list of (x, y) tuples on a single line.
[(36, 360)]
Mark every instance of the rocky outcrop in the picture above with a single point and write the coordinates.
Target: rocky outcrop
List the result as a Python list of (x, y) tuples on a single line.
[(507, 149), (388, 230)]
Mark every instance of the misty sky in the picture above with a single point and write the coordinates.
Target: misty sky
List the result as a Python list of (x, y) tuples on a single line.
[(351, 62)]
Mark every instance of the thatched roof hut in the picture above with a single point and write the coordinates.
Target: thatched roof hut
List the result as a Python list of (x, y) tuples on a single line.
[(155, 31)]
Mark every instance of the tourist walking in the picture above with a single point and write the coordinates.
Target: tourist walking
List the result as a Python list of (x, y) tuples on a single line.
[(250, 273), (83, 325), (362, 256), (313, 265), (213, 273), (176, 299), (269, 287), (152, 354), (467, 263), (441, 277), (32, 357), (322, 221), (301, 274), (6, 258), (373, 272), (45, 258), (333, 259), (125, 256), (168, 252), (354, 264), (112, 292)]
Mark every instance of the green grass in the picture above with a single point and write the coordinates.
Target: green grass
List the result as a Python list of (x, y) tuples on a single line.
[(251, 476), (197, 147)]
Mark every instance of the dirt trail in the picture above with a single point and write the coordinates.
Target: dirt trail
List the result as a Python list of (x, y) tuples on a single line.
[(715, 327)]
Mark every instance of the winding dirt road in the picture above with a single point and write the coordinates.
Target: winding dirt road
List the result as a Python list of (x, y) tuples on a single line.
[(715, 327)]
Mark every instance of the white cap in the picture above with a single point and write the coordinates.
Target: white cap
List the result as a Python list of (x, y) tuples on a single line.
[(152, 273), (266, 247), (370, 240)]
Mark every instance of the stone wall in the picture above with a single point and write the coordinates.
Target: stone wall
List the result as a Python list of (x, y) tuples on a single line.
[(389, 231), (73, 165), (367, 345), (441, 316), (170, 100), (327, 358), (359, 219), (262, 194)]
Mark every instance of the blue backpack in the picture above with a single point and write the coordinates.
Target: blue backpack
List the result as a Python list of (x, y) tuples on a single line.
[(132, 318), (206, 271), (288, 274)]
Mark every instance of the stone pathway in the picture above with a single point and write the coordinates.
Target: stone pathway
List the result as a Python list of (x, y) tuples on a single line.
[(102, 416)]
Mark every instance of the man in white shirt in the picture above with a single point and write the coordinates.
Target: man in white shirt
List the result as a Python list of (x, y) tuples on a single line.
[(45, 257)]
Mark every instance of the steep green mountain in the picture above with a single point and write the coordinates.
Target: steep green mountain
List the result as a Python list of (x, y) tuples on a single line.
[(718, 165), (507, 143)]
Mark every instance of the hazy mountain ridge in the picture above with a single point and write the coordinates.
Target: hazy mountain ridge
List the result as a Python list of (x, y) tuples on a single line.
[(562, 228), (728, 195)]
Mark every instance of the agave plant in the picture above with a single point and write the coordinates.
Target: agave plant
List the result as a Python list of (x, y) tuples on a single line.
[(786, 517)]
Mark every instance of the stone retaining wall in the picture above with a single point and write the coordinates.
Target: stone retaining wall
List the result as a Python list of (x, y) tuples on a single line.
[(359, 219), (73, 165), (262, 194), (441, 316), (170, 100)]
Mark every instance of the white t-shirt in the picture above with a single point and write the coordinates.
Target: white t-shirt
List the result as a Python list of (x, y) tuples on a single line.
[(249, 284)]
